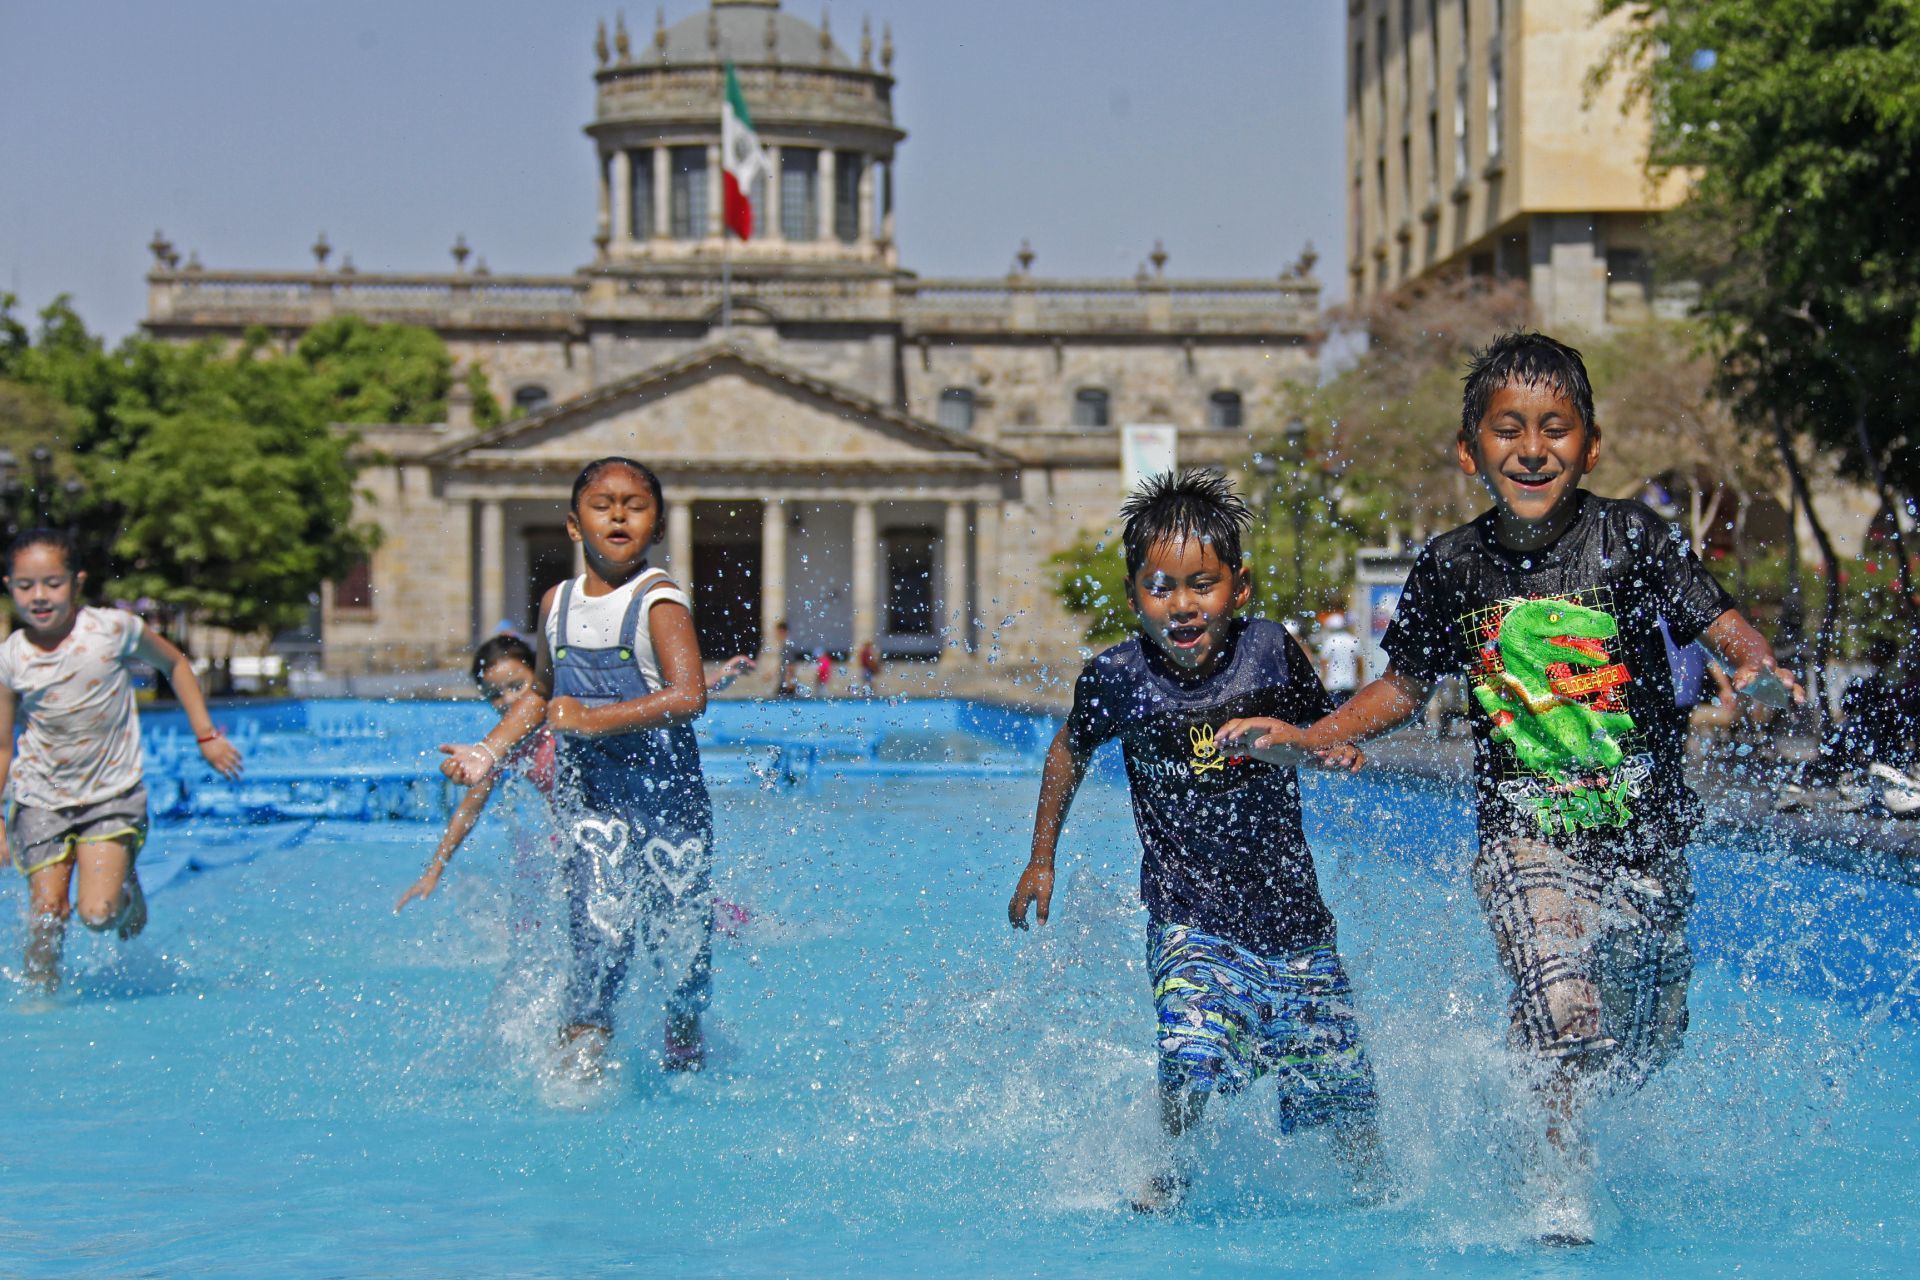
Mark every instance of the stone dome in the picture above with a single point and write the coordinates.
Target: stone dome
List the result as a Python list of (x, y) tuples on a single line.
[(743, 31)]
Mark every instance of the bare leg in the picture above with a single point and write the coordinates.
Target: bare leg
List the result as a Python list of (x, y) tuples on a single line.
[(46, 924), (1179, 1112), (686, 1050), (108, 895)]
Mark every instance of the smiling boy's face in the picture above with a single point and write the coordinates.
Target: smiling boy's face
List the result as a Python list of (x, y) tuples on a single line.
[(1186, 596), (1530, 450)]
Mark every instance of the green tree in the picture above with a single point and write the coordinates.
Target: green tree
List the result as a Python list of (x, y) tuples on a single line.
[(1799, 122), (235, 493), (213, 480), (376, 373)]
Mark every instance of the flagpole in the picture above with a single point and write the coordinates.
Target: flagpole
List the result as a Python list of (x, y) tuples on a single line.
[(726, 281)]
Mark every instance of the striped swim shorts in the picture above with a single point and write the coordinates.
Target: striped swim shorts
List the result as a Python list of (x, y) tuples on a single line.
[(1228, 1016), (1596, 951)]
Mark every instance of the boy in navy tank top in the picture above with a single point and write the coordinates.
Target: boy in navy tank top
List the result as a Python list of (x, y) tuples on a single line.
[(619, 683), (1240, 946)]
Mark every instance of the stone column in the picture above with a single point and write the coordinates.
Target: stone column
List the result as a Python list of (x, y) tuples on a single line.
[(622, 197), (954, 606), (493, 565), (987, 605), (603, 217), (773, 572), (866, 202), (865, 621), (825, 195), (773, 229), (662, 193), (715, 193), (680, 542)]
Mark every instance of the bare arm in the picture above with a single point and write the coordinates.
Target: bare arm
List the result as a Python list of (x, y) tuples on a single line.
[(468, 763), (6, 748), (1383, 705), (683, 699), (459, 826), (1059, 781), (1750, 659), (160, 652)]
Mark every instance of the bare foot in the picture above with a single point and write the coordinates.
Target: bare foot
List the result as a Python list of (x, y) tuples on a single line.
[(583, 1051), (1162, 1193)]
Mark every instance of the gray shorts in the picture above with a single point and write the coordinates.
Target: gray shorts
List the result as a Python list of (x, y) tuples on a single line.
[(1597, 954), (38, 838)]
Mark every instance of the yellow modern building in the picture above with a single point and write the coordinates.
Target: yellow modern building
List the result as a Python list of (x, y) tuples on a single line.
[(1477, 142)]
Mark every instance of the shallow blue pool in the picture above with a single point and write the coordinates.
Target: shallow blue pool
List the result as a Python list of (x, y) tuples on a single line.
[(284, 1078)]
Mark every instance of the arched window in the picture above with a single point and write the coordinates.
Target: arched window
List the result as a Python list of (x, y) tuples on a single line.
[(1090, 407), (956, 409), (531, 398), (1223, 410)]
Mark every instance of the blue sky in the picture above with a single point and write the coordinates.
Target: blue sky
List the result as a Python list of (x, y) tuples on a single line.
[(243, 127)]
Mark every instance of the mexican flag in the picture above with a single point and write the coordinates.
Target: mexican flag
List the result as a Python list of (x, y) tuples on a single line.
[(741, 157)]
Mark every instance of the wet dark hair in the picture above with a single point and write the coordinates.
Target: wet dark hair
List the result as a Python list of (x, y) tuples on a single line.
[(1530, 360), (494, 648), (1195, 503), (58, 539), (592, 471)]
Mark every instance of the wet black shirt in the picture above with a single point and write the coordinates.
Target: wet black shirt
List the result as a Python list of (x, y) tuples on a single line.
[(1223, 848), (1577, 738)]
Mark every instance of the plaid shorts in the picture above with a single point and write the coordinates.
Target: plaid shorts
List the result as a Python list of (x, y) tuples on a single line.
[(1228, 1016), (1597, 953)]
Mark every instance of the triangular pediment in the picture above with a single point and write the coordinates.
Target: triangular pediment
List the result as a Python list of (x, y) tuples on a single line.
[(723, 406)]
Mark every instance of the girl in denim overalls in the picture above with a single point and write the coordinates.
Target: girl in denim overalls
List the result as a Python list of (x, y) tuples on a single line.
[(622, 663)]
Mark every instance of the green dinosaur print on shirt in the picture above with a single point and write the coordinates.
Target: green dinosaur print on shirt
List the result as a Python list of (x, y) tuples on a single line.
[(1550, 733)]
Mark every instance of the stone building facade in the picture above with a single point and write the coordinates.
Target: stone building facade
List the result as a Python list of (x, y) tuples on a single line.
[(845, 445), (1475, 142)]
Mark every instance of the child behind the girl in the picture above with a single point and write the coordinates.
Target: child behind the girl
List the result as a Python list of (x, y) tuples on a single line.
[(78, 797), (503, 667), (620, 663)]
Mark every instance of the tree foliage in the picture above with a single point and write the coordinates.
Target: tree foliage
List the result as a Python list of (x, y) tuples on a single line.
[(1799, 122), (215, 480)]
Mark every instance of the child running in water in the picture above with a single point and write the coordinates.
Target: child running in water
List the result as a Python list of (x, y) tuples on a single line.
[(1549, 606), (503, 667), (1240, 946), (78, 797), (619, 682)]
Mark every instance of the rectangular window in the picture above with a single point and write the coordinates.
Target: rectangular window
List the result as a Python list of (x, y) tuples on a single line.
[(688, 193), (757, 197), (354, 590), (1460, 81), (1406, 53), (1433, 155), (910, 566), (799, 194), (1380, 65), (1496, 116), (846, 195), (640, 192)]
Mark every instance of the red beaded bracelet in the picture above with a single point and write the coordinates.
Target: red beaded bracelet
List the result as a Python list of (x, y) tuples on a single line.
[(209, 737)]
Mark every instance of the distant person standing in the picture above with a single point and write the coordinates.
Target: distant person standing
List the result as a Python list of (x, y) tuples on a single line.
[(1340, 659), (868, 660)]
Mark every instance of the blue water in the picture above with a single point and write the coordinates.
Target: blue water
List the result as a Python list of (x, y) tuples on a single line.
[(284, 1078)]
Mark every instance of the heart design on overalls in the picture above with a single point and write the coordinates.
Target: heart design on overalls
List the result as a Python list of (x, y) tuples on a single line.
[(602, 839), (677, 865), (611, 905)]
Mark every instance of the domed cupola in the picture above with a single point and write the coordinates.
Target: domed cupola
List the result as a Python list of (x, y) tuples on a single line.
[(824, 120)]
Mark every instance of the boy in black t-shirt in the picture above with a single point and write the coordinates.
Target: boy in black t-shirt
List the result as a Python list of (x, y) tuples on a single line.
[(1240, 946), (1549, 607)]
